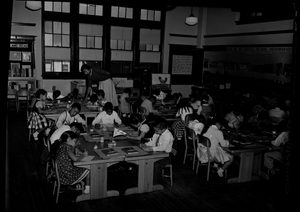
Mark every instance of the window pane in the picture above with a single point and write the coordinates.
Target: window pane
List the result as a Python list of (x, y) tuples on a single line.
[(150, 15), (122, 12), (48, 26), (66, 28), (129, 12), (66, 7), (90, 42), (143, 14), (57, 66), (113, 44), (157, 16), (114, 11), (127, 45), (57, 40), (57, 7), (82, 41), (48, 40), (99, 10), (82, 8), (48, 6), (65, 66), (98, 42), (65, 40), (57, 27), (91, 9), (48, 66)]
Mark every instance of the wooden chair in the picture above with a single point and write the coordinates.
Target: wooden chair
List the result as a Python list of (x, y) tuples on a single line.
[(49, 163), (189, 117), (207, 143), (57, 182), (23, 96), (191, 140), (12, 97), (170, 175)]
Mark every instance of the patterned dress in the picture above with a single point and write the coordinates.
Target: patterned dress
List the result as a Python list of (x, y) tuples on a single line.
[(68, 173)]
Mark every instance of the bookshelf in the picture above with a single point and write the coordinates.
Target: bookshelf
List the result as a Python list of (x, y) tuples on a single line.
[(21, 67)]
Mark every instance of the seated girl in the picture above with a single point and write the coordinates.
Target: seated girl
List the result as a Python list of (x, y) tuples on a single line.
[(107, 117)]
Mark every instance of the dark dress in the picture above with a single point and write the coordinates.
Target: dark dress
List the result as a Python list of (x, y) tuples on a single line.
[(68, 173)]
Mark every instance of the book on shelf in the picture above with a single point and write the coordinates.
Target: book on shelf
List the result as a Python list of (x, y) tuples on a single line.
[(110, 152), (130, 150)]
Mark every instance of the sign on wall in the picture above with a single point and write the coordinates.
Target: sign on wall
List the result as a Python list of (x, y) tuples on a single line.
[(182, 64)]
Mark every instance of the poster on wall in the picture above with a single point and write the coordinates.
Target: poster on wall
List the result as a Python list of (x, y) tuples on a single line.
[(161, 81), (264, 64), (182, 64)]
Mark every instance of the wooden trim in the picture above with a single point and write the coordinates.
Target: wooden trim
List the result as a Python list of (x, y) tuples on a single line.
[(183, 35), (250, 33)]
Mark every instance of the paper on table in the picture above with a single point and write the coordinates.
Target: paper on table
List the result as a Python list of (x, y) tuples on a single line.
[(88, 158), (118, 132)]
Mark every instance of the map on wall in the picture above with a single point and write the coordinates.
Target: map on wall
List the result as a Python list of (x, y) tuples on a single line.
[(261, 63)]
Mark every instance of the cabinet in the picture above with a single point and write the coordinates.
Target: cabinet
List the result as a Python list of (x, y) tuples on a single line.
[(21, 67)]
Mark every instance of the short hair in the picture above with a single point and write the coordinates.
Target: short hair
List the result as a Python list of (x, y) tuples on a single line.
[(78, 126), (68, 134), (100, 92), (40, 92), (76, 105), (135, 118), (85, 66), (160, 123), (94, 98), (56, 94), (108, 106)]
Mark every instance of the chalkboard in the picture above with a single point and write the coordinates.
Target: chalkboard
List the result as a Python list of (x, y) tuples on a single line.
[(182, 64)]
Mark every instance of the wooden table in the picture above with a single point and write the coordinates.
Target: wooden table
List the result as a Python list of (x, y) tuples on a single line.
[(98, 169), (55, 113), (250, 158)]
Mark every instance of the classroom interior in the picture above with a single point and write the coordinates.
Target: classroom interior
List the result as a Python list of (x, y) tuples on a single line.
[(233, 48)]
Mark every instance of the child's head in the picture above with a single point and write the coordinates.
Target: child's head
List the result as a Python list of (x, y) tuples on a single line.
[(108, 108), (152, 99), (156, 92), (135, 120), (69, 137), (41, 94), (75, 109), (94, 98), (127, 90), (192, 97), (56, 94), (160, 125), (100, 93), (76, 127), (75, 92), (236, 110)]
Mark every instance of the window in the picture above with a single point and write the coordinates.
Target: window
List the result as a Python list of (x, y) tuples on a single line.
[(91, 9), (62, 7), (57, 34), (121, 12), (109, 35)]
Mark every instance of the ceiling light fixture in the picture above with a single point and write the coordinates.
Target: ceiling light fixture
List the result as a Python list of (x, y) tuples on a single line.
[(191, 20), (33, 5)]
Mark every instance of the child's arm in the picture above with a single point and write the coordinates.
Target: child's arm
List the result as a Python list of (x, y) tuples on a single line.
[(77, 158), (117, 118), (97, 119)]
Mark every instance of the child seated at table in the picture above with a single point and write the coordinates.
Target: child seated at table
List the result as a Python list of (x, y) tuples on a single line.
[(37, 121), (66, 155), (216, 151), (144, 127), (107, 117), (124, 106), (101, 97), (148, 104), (70, 116), (74, 96), (283, 131), (162, 141), (234, 119)]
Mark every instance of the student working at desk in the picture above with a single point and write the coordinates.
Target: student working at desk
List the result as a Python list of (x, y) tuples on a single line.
[(107, 117), (71, 115), (162, 140)]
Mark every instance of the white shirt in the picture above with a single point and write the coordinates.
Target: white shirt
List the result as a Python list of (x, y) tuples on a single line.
[(164, 143), (66, 119), (58, 132), (104, 118)]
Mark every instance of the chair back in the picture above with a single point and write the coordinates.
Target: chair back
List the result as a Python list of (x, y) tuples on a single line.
[(191, 139), (56, 172), (204, 141), (189, 117)]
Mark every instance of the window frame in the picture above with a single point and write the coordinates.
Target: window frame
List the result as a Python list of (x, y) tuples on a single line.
[(75, 18)]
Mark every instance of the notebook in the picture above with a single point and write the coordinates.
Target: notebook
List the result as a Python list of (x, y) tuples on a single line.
[(110, 152), (130, 150)]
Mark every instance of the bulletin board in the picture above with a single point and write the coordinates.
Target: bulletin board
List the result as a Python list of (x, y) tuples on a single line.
[(185, 64)]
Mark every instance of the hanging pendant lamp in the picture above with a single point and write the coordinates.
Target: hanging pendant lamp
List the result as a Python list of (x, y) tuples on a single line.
[(191, 20), (33, 5)]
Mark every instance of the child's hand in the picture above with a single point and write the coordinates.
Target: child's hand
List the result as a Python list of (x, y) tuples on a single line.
[(85, 153)]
